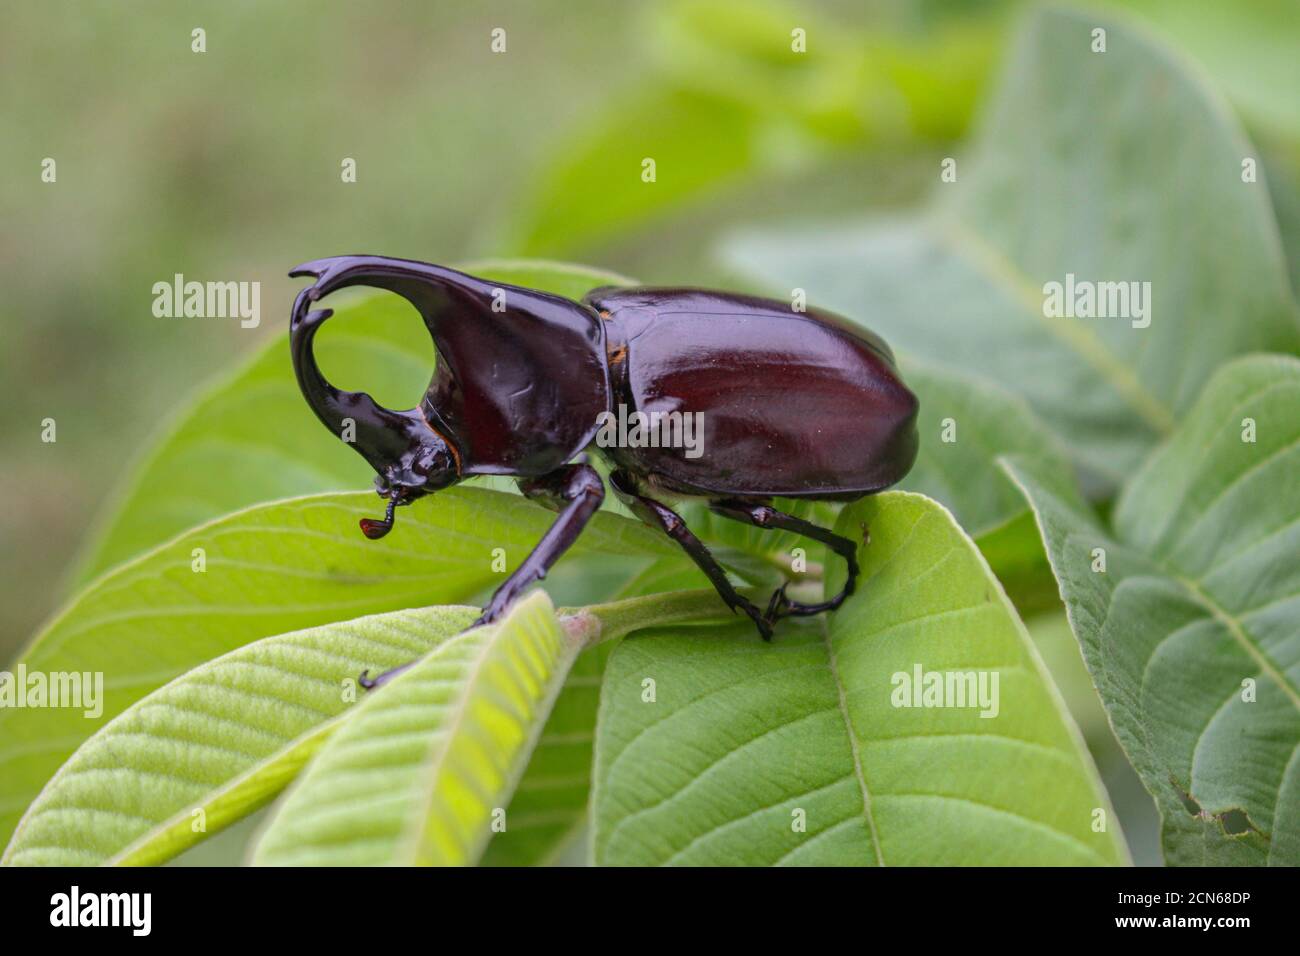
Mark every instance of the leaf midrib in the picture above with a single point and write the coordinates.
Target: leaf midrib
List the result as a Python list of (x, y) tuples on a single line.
[(997, 268), (417, 826), (1161, 561), (1239, 634), (239, 785), (854, 744)]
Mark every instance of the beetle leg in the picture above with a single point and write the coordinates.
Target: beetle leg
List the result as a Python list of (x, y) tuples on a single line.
[(575, 491), (765, 516), (660, 516)]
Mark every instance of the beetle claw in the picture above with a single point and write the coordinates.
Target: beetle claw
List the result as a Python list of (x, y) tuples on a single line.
[(760, 620), (370, 683), (489, 615), (778, 605)]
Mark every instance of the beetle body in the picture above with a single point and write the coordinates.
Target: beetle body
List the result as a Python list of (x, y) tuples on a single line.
[(791, 404), (787, 403)]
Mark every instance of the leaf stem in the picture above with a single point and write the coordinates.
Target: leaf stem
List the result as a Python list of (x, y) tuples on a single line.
[(598, 623)]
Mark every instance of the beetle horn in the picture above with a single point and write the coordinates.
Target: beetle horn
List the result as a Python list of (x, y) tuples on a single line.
[(381, 434), (497, 345)]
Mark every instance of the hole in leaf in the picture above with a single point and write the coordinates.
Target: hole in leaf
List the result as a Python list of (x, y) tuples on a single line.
[(1235, 822), (1191, 806)]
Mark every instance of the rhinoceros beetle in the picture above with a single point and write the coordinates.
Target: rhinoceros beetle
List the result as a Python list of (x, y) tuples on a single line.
[(792, 404)]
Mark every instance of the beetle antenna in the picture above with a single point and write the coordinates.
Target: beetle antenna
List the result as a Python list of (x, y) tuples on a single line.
[(374, 530)]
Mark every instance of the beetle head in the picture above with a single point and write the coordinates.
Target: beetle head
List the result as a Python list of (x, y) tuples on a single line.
[(410, 457), (425, 465)]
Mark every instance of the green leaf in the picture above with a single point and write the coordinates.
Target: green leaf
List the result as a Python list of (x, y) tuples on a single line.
[(250, 437), (1088, 164), (223, 739), (1191, 631), (741, 736), (966, 423), (227, 736), (549, 807), (269, 569), (1249, 47), (420, 772), (727, 98), (728, 106), (666, 125)]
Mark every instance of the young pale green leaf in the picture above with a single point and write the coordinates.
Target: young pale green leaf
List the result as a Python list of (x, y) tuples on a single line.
[(1052, 194), (714, 747), (216, 743), (260, 572), (251, 438), (549, 807), (422, 771), (223, 739), (1188, 614)]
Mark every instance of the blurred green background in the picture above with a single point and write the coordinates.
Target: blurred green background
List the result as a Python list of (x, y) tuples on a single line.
[(225, 165)]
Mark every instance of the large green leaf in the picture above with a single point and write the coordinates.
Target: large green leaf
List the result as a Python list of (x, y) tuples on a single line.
[(269, 569), (549, 807), (1112, 167), (223, 739), (227, 736), (422, 771), (250, 437), (741, 736), (1192, 630)]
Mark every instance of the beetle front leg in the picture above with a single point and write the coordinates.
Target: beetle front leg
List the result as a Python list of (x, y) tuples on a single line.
[(765, 516), (575, 491), (660, 516)]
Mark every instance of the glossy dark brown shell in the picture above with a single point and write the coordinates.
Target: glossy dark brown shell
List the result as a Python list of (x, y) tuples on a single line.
[(797, 404)]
